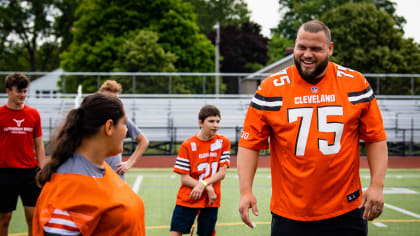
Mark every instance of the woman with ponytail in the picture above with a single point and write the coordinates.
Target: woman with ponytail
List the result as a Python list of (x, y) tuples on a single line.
[(81, 194)]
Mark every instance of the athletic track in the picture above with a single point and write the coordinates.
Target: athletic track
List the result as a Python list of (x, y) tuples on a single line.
[(264, 162)]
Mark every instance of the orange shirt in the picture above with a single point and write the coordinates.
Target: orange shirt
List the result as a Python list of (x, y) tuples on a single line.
[(201, 159), (314, 133), (97, 206)]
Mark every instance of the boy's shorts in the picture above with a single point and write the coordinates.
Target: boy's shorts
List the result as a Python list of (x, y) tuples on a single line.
[(183, 219), (15, 183), (349, 224)]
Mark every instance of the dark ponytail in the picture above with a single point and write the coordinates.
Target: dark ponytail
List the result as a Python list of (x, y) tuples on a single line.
[(80, 123)]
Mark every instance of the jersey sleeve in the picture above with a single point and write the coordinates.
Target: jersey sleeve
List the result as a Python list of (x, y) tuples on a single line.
[(182, 163), (371, 123), (225, 157), (132, 130), (256, 131)]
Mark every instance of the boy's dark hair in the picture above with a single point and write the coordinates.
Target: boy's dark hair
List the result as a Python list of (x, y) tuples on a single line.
[(208, 110), (16, 79)]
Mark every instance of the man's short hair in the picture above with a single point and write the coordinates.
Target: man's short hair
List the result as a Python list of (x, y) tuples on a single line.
[(315, 26), (111, 86), (16, 79), (208, 110)]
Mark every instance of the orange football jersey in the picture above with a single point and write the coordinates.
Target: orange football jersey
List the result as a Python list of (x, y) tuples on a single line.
[(314, 133), (93, 206), (201, 159)]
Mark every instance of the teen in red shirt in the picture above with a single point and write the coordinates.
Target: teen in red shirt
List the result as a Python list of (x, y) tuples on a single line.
[(20, 135), (314, 113), (202, 162)]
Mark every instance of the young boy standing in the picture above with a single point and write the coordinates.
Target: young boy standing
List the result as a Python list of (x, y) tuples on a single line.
[(201, 162)]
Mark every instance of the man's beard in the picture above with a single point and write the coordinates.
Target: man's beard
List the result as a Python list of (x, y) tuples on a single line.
[(311, 77)]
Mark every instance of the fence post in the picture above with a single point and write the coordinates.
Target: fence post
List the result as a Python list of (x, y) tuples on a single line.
[(170, 85), (134, 84), (377, 85), (412, 85), (98, 79), (204, 85)]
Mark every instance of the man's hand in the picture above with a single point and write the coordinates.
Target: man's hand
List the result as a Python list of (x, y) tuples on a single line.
[(248, 201), (374, 200)]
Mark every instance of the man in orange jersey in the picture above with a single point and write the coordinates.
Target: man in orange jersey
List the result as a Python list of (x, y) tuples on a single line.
[(202, 162), (314, 113)]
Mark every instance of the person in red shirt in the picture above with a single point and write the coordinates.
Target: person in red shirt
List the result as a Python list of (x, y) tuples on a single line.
[(201, 162), (20, 134), (81, 194), (314, 114)]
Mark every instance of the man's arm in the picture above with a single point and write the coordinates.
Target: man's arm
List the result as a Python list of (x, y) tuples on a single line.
[(142, 144), (40, 151), (377, 155), (247, 166)]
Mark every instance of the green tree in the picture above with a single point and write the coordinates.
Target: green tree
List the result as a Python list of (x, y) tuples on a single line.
[(26, 21), (227, 12), (300, 11), (243, 49), (367, 39), (31, 33), (173, 21), (142, 52), (279, 47)]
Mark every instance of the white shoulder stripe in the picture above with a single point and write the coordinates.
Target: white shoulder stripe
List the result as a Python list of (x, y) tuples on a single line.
[(62, 222), (266, 103), (182, 159), (61, 212), (60, 231), (362, 96), (182, 168)]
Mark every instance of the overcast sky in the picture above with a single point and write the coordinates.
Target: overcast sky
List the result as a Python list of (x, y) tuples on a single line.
[(266, 13)]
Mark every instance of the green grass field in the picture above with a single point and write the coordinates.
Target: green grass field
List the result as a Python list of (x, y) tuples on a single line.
[(158, 188)]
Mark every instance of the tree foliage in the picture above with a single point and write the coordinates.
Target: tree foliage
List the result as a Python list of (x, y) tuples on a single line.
[(227, 12), (367, 39), (31, 34), (244, 50), (102, 27), (299, 11)]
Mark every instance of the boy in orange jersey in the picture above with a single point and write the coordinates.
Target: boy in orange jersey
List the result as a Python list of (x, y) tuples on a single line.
[(202, 162), (314, 114)]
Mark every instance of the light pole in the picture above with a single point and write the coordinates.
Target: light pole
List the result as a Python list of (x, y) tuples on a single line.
[(216, 56)]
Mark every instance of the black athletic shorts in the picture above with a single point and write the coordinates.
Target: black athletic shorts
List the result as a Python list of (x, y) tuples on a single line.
[(349, 224), (183, 219), (15, 183)]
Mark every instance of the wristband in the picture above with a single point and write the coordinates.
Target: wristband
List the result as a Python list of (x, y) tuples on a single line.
[(204, 182)]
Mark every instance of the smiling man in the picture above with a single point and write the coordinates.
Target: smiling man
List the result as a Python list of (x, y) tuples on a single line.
[(314, 114), (20, 134)]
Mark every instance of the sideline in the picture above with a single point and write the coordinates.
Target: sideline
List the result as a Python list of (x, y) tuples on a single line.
[(137, 184)]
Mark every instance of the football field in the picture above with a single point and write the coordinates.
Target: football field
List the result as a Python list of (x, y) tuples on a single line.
[(158, 188)]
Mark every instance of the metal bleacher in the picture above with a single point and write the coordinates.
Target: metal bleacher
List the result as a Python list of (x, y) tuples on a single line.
[(170, 119)]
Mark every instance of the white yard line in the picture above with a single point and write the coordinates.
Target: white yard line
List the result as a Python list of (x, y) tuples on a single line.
[(137, 184), (379, 224), (403, 211)]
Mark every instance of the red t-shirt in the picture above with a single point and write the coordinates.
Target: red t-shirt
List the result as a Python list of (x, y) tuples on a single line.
[(18, 129), (201, 159), (314, 133)]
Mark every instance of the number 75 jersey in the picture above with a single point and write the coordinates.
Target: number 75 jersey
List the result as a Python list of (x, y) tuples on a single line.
[(314, 132)]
